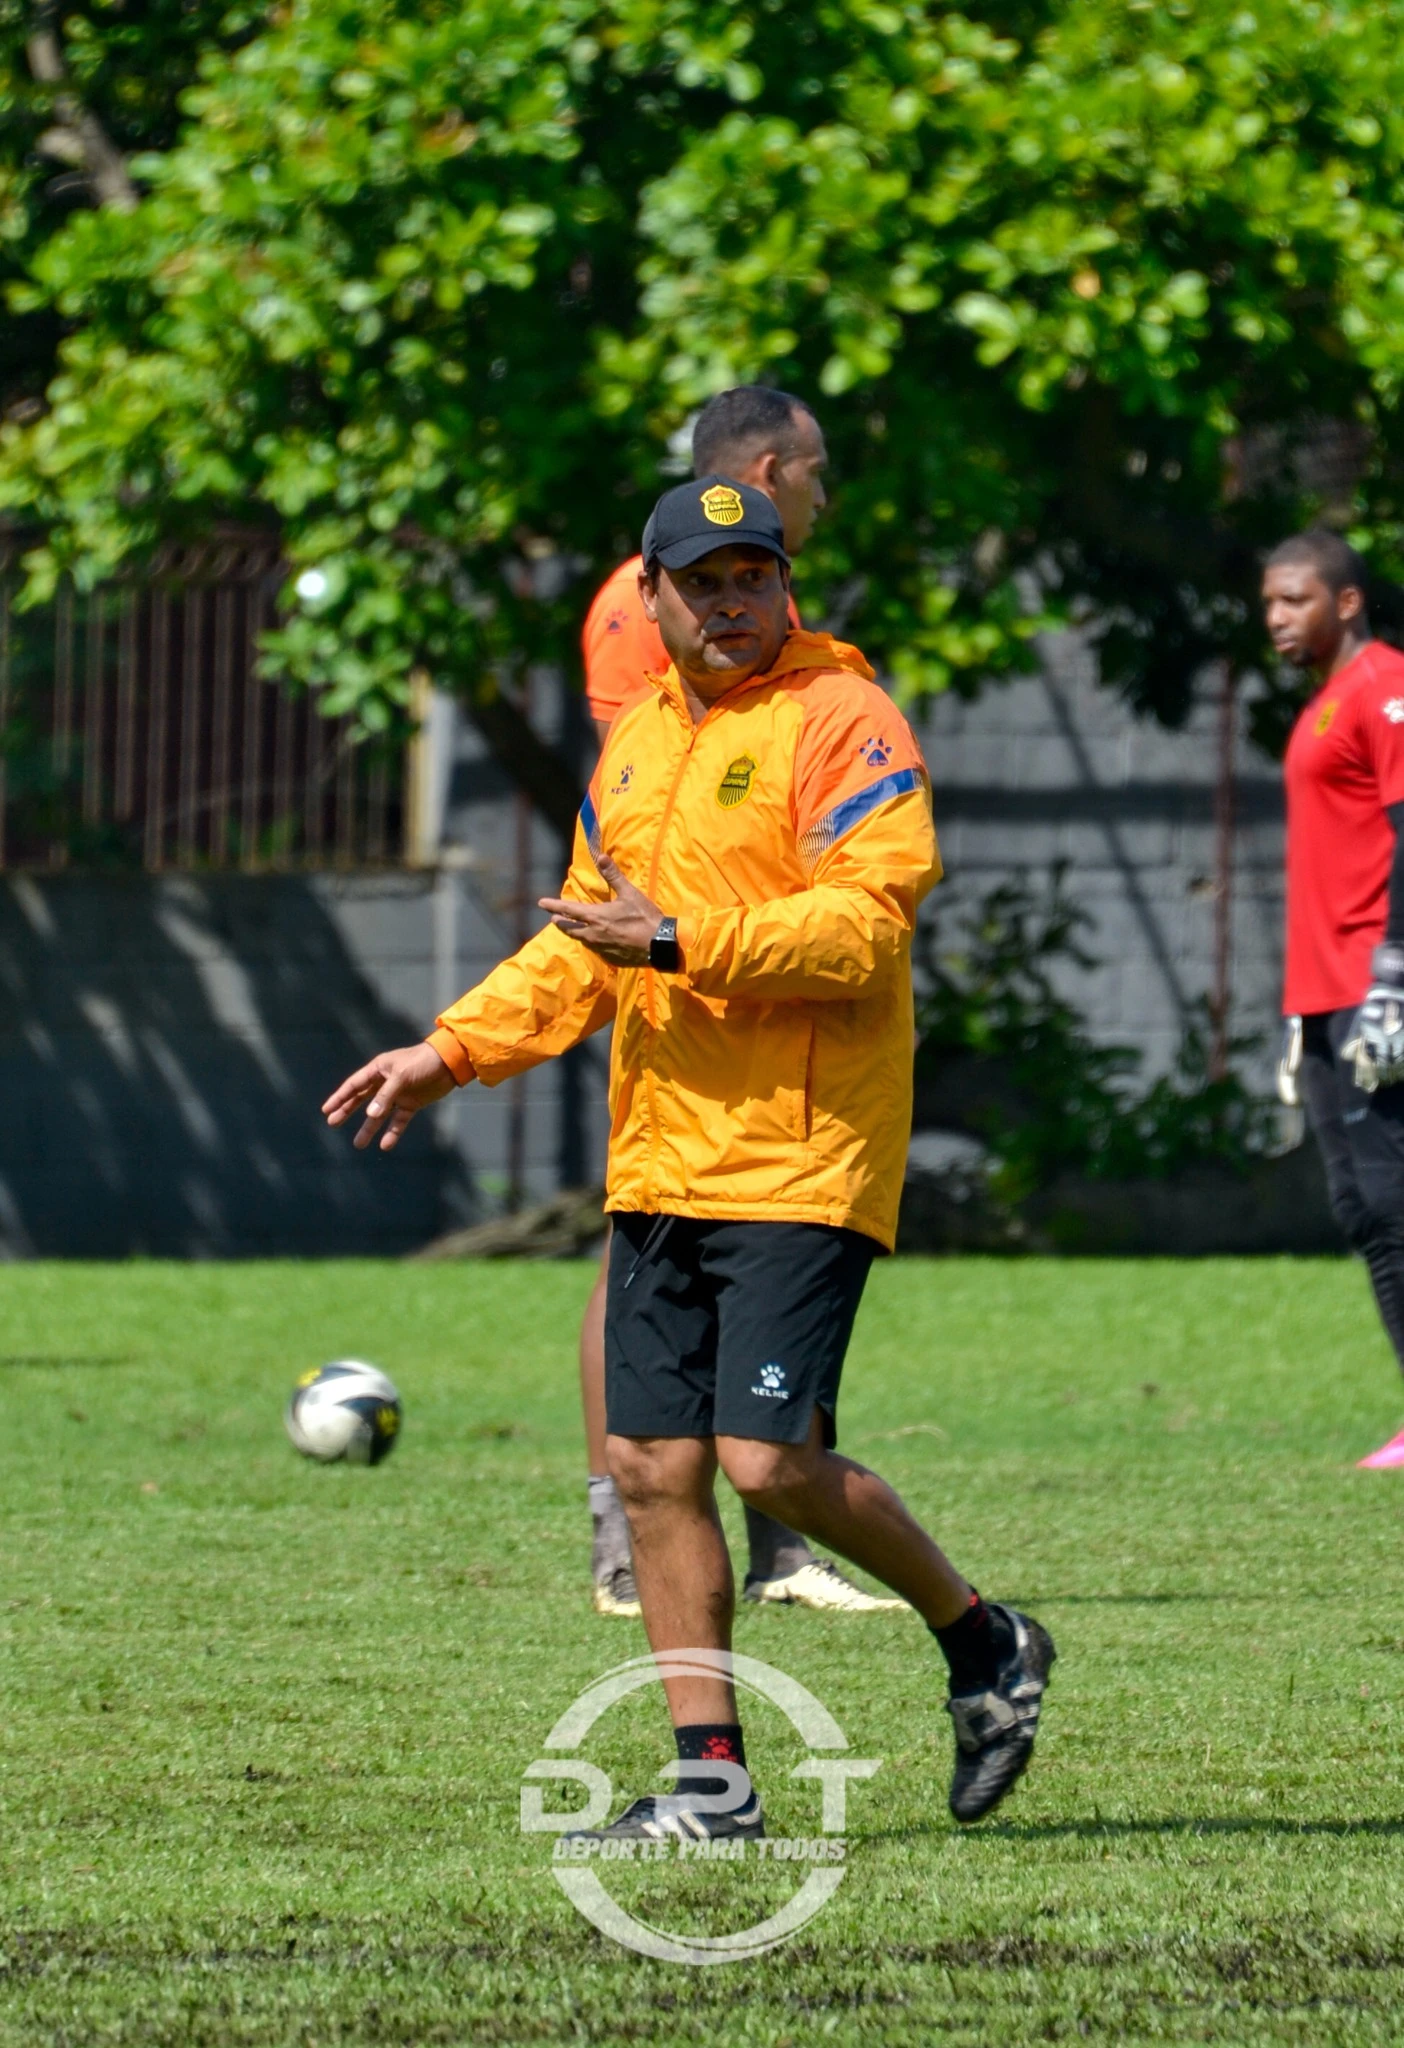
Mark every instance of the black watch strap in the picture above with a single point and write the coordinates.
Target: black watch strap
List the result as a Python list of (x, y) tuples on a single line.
[(664, 952)]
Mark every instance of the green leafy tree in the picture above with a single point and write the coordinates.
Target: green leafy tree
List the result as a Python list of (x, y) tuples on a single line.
[(360, 299), (1115, 293), (1102, 297), (81, 89)]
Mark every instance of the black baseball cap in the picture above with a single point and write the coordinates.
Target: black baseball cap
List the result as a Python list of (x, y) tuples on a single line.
[(711, 512)]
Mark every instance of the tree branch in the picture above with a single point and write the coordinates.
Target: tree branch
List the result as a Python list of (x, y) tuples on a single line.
[(78, 137), (537, 769)]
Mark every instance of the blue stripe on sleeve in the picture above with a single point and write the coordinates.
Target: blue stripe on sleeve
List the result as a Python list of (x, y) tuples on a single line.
[(590, 825), (843, 817)]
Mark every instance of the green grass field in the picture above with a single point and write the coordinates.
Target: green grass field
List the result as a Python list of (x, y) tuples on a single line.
[(263, 1724)]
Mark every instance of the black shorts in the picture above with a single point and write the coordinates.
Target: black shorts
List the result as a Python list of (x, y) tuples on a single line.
[(728, 1329), (1361, 1136)]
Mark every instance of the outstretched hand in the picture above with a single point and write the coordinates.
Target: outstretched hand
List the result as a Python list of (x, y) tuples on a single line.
[(621, 930), (394, 1086)]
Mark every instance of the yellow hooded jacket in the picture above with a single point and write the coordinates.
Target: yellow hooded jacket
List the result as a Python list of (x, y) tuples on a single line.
[(790, 834)]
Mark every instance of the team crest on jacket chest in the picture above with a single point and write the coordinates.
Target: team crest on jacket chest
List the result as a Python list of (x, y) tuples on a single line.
[(735, 785), (1324, 717)]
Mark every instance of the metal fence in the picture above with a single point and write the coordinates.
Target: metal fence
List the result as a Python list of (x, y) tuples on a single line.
[(136, 730)]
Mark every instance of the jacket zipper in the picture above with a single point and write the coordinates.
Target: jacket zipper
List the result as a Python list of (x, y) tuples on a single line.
[(669, 806), (650, 979)]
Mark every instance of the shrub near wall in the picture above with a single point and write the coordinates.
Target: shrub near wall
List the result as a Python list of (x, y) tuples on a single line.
[(1080, 1156)]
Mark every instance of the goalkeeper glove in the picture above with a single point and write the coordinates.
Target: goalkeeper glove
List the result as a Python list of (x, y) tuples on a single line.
[(1289, 1065), (1376, 1044)]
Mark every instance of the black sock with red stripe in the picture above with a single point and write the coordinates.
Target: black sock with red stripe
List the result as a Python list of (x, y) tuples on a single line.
[(705, 1742), (972, 1646)]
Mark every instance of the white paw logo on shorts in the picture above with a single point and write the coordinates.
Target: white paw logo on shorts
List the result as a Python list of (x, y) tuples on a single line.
[(772, 1386), (1394, 710)]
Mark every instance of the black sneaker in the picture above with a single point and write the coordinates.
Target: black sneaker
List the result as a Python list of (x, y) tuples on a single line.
[(670, 1816), (995, 1730)]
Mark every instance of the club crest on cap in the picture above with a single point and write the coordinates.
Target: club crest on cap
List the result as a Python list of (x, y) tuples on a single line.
[(722, 505)]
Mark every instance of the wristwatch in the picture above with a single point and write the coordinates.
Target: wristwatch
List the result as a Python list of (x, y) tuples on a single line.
[(664, 952)]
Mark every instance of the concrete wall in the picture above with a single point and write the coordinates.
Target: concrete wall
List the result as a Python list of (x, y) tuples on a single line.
[(1055, 767), (165, 1043)]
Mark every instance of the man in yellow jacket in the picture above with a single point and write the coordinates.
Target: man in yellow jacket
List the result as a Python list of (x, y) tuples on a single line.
[(747, 870), (772, 440)]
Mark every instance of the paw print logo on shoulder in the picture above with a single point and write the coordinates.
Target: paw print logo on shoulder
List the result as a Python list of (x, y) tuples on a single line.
[(1394, 710), (626, 776), (876, 750)]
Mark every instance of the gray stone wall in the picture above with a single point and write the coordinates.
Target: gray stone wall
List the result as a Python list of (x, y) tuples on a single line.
[(165, 1043), (1054, 767)]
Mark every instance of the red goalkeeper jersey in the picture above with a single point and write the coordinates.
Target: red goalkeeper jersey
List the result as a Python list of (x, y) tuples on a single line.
[(1344, 765)]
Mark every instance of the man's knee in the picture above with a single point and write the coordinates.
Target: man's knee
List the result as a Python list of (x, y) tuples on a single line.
[(651, 1471), (765, 1475), (637, 1468)]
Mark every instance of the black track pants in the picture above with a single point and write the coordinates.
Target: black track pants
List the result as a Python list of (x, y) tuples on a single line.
[(1362, 1147)]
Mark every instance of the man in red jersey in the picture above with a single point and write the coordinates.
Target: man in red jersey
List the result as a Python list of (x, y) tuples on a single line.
[(1344, 986), (766, 438)]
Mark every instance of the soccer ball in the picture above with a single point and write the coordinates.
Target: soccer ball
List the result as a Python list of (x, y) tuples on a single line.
[(347, 1409)]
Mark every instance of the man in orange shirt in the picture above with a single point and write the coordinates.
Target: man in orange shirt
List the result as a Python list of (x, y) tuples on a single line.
[(759, 436), (773, 442), (747, 870)]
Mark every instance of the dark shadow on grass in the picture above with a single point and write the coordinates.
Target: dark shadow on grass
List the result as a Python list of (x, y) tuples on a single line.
[(1182, 1824), (1148, 1599), (1171, 1824), (43, 1360)]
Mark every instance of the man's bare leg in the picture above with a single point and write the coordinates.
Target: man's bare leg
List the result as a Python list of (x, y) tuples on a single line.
[(999, 1659), (681, 1561), (845, 1506), (776, 1553)]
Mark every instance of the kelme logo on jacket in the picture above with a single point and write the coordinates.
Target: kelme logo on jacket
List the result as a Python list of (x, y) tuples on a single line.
[(722, 505), (735, 785)]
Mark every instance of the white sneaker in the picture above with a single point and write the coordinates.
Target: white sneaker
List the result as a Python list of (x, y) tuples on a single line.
[(617, 1594), (819, 1584)]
